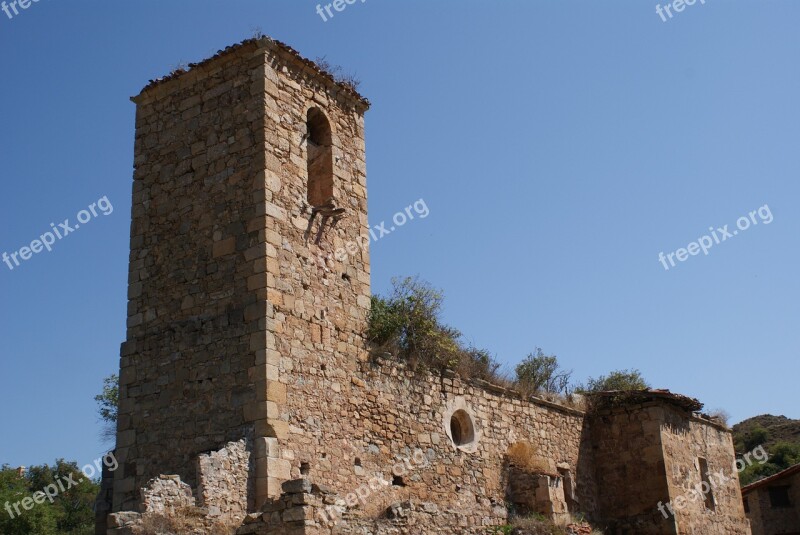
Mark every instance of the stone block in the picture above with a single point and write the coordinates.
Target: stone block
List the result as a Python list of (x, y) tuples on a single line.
[(224, 247), (276, 392), (279, 468), (297, 486)]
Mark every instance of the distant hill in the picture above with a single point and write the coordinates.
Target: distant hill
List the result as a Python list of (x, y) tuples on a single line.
[(779, 435), (779, 429)]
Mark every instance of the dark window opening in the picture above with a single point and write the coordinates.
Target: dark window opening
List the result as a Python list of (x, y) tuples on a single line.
[(319, 148), (397, 481), (455, 430), (305, 468), (779, 496), (461, 429), (709, 495)]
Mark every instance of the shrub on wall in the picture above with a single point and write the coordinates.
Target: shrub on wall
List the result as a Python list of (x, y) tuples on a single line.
[(542, 373), (616, 380), (408, 324)]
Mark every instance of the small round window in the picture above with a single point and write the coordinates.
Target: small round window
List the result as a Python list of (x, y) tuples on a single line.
[(462, 430)]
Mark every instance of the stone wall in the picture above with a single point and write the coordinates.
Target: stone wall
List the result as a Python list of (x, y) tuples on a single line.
[(102, 505), (351, 429), (188, 372), (308, 509), (225, 482), (318, 300), (768, 520), (221, 499), (693, 446), (165, 494), (630, 471), (648, 458)]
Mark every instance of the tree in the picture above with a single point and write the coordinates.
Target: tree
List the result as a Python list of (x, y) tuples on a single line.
[(108, 406), (108, 400), (71, 509), (13, 489), (616, 380), (73, 506), (542, 373)]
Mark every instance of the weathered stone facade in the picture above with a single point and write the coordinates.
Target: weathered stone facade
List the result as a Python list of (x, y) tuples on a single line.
[(224, 293), (695, 449), (246, 376), (648, 453), (773, 504)]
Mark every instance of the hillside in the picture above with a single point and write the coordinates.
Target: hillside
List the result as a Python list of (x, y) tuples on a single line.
[(779, 435), (779, 429)]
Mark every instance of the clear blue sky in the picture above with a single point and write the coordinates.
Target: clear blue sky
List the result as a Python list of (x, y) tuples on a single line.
[(560, 146)]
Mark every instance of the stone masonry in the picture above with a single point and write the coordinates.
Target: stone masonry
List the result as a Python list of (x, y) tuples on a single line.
[(248, 393), (773, 503), (648, 450)]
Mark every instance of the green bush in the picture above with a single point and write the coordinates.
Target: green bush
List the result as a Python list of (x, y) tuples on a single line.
[(753, 438), (616, 380), (785, 454), (542, 373), (408, 324)]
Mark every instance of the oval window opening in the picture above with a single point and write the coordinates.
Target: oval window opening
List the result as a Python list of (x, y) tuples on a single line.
[(462, 430)]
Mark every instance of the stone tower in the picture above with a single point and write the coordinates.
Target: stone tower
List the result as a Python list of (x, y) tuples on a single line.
[(249, 274)]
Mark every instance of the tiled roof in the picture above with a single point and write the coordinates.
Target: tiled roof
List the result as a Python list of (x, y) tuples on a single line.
[(771, 479)]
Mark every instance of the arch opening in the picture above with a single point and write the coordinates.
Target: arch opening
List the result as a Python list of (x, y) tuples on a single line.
[(319, 155)]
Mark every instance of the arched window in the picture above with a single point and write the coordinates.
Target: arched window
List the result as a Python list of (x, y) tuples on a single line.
[(319, 148)]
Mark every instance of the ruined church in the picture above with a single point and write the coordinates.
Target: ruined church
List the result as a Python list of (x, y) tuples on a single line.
[(248, 394)]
